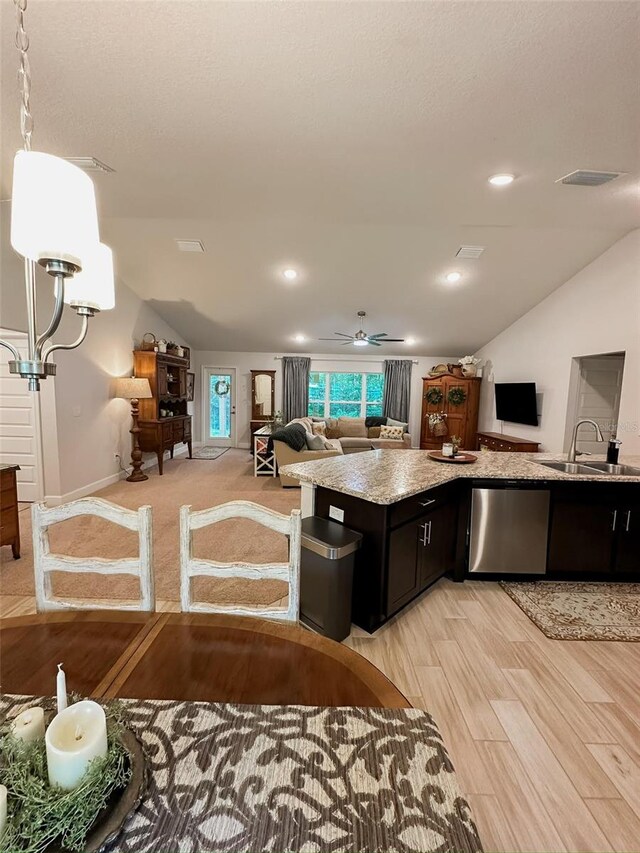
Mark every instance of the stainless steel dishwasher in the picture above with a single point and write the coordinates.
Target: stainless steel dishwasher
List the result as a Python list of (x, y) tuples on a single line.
[(509, 528)]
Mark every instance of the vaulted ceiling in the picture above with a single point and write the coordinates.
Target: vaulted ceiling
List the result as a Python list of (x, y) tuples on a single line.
[(351, 141)]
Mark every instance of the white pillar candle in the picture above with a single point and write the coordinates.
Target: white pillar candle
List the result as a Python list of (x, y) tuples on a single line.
[(74, 738), (61, 688), (3, 809), (28, 725)]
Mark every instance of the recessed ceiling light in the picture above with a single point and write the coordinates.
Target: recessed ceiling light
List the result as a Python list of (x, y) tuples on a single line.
[(290, 275), (190, 245), (501, 180), (453, 277), (299, 339), (410, 341)]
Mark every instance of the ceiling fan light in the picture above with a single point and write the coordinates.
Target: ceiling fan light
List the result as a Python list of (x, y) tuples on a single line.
[(360, 342), (53, 209), (93, 287)]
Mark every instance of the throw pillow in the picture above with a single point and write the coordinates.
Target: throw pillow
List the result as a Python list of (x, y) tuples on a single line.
[(374, 432), (332, 428), (352, 427), (391, 422), (320, 428), (375, 421), (315, 442), (394, 432)]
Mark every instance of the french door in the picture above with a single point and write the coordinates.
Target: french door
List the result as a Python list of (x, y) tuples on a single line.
[(219, 403)]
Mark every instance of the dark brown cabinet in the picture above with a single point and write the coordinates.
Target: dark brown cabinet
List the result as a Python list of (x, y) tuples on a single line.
[(438, 539), (595, 531), (627, 556), (403, 579)]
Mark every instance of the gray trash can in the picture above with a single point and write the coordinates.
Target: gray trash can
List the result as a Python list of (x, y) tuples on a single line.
[(326, 576)]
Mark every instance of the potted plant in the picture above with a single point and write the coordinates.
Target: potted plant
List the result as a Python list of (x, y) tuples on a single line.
[(456, 441), (469, 364)]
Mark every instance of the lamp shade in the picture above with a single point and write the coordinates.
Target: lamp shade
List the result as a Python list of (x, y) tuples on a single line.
[(133, 388), (53, 209), (93, 287)]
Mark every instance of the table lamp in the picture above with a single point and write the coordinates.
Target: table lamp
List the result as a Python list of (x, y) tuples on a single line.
[(134, 389)]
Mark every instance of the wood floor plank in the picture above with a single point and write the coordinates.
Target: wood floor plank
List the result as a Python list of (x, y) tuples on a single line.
[(437, 698), (622, 727), (470, 696), (559, 733), (573, 821), (494, 829), (480, 657), (621, 769), (521, 804), (585, 685), (618, 822)]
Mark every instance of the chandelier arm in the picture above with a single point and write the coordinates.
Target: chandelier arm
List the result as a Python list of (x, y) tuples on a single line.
[(14, 352), (83, 334), (56, 317)]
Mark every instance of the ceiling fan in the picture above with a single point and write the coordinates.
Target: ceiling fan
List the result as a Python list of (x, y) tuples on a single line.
[(361, 338)]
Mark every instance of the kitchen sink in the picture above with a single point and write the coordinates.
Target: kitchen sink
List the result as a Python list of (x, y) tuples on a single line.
[(608, 468), (571, 467)]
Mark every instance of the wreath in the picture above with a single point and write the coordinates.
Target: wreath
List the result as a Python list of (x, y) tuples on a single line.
[(456, 396), (434, 396), (221, 387)]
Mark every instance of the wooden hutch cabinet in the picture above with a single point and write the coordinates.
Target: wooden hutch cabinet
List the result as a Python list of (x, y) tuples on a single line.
[(460, 418), (163, 420)]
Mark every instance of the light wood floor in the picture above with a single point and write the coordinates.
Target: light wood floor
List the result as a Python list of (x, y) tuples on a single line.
[(544, 734)]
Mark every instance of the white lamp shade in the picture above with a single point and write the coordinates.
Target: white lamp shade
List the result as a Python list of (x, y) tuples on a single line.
[(94, 286), (53, 209), (133, 388)]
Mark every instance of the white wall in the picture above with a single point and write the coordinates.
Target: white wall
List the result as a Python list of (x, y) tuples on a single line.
[(91, 425), (596, 311), (244, 362)]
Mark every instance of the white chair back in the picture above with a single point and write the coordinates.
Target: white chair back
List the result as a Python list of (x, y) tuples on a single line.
[(191, 567), (45, 562)]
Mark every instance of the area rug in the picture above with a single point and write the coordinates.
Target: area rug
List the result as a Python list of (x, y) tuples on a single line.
[(581, 611), (258, 778), (209, 452)]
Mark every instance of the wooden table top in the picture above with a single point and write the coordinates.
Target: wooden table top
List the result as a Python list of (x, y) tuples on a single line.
[(197, 657)]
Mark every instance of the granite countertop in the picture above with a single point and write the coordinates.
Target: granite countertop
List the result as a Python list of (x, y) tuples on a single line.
[(387, 476)]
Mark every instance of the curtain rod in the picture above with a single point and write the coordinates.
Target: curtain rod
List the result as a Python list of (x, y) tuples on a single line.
[(365, 360)]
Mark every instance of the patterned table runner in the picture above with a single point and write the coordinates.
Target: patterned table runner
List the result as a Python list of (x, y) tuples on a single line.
[(291, 778)]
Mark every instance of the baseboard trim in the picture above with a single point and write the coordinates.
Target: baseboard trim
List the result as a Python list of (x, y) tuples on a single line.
[(90, 488)]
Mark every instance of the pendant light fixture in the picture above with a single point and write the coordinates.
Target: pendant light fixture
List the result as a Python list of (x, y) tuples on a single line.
[(54, 223)]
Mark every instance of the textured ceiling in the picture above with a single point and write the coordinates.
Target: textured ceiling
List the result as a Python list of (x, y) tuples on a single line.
[(350, 140)]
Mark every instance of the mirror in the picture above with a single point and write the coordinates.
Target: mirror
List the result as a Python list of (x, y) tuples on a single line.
[(262, 394)]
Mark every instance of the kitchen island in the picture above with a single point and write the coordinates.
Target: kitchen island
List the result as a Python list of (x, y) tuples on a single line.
[(415, 515)]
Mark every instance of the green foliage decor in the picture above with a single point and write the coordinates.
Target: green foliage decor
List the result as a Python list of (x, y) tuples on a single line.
[(456, 396), (38, 814), (434, 396)]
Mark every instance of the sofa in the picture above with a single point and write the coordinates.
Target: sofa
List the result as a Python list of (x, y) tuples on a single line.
[(342, 436)]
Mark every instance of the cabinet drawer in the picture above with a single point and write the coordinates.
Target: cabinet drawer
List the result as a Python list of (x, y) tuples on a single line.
[(419, 505), (167, 432), (178, 431)]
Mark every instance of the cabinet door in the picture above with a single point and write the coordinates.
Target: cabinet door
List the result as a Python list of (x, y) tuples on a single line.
[(182, 381), (163, 388), (628, 550), (402, 570), (582, 536), (456, 413), (436, 551)]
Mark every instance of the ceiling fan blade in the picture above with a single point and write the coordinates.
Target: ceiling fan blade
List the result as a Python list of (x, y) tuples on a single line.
[(375, 343), (342, 335), (335, 340), (378, 335), (346, 343), (392, 341)]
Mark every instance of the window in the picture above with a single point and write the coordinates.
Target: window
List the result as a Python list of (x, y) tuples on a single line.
[(354, 395)]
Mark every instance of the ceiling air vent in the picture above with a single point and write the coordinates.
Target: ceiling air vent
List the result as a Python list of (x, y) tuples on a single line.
[(470, 252), (89, 164), (190, 245), (588, 178)]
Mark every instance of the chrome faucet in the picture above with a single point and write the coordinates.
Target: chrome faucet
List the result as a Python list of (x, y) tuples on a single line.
[(572, 450)]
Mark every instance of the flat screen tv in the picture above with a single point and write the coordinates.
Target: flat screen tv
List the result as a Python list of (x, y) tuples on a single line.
[(516, 402)]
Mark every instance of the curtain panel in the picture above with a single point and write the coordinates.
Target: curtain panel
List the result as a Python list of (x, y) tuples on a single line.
[(295, 387), (397, 389)]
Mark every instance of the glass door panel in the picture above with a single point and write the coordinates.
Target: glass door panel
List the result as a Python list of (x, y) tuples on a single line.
[(220, 408)]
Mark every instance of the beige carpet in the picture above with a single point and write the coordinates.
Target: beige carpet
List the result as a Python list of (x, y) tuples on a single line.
[(185, 481), (581, 611)]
